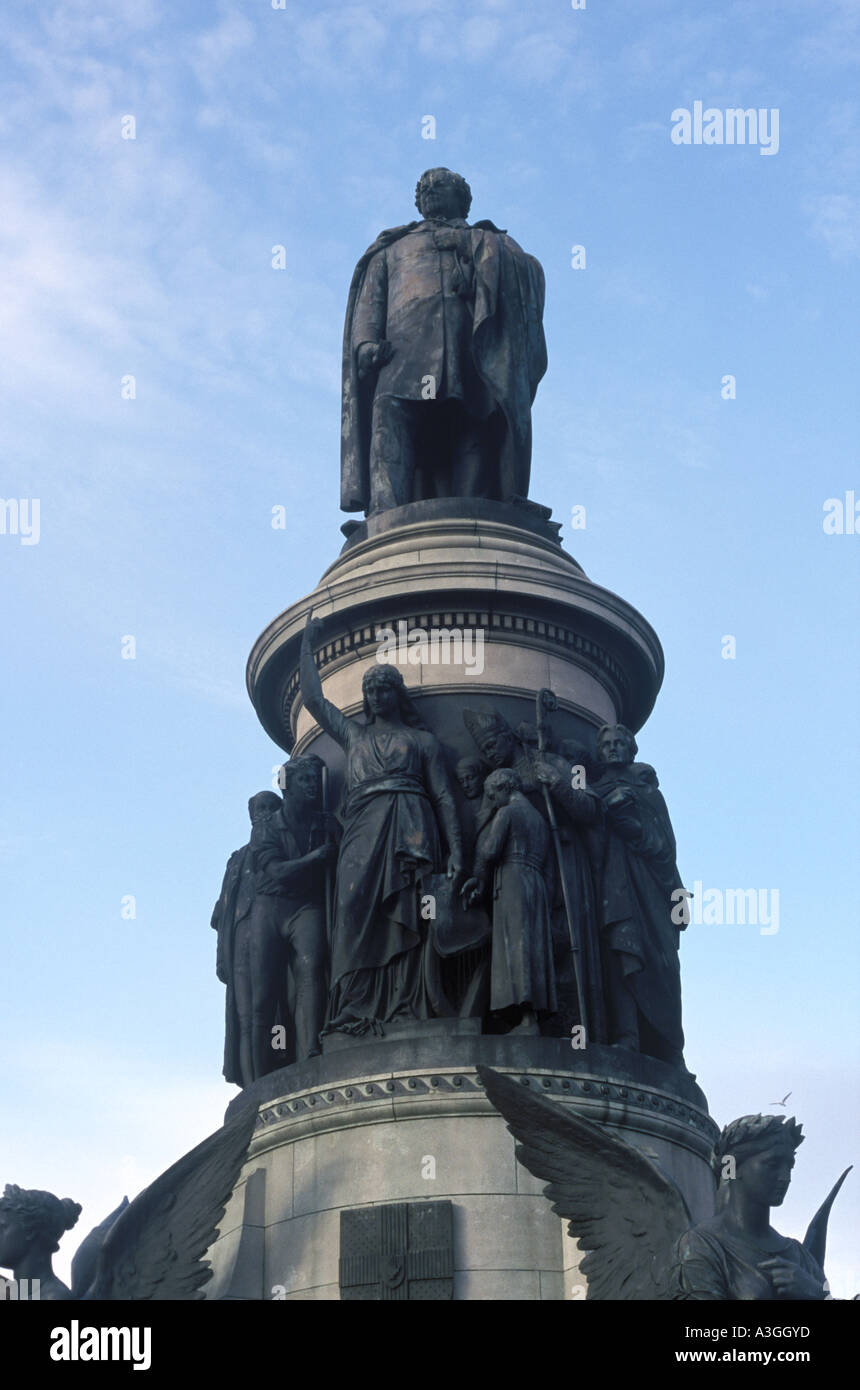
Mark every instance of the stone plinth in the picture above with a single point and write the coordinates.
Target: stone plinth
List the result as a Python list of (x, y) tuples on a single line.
[(406, 1119), (497, 570)]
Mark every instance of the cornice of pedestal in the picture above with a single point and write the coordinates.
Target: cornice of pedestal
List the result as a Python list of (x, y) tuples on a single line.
[(384, 1097), (354, 1086), (520, 587)]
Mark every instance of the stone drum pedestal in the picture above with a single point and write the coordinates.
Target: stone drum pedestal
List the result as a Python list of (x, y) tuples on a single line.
[(401, 1121)]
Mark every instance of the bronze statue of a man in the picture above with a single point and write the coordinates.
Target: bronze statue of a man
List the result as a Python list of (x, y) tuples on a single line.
[(238, 947), (292, 860), (270, 920), (248, 955), (443, 351), (639, 882)]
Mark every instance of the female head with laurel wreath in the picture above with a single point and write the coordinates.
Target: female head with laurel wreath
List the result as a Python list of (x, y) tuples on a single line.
[(753, 1160), (737, 1254), (31, 1226)]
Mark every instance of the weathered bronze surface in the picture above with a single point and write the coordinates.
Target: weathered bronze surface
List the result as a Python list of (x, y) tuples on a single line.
[(443, 350), (636, 879), (632, 1220)]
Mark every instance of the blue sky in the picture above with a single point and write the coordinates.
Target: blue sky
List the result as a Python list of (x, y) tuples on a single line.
[(301, 127)]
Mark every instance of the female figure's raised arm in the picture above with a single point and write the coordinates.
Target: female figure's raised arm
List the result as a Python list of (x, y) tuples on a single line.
[(327, 715)]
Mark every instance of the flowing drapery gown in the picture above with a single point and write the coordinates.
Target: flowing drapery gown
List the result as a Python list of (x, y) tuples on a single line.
[(713, 1263), (516, 844), (383, 963)]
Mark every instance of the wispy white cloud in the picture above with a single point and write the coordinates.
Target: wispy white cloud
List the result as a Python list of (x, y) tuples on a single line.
[(834, 40), (835, 220), (219, 46)]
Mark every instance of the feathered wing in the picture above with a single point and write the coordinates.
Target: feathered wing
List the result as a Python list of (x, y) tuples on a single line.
[(624, 1211), (815, 1240), (86, 1257), (154, 1249)]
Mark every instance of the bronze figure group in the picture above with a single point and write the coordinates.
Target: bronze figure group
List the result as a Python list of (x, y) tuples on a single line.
[(531, 885), (514, 885)]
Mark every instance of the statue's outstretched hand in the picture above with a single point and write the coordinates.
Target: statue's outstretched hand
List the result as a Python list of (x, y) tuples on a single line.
[(313, 628)]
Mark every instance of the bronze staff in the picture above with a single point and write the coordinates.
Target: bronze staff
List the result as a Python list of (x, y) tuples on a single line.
[(328, 841)]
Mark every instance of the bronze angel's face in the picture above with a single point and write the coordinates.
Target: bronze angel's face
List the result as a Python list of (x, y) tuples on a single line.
[(766, 1176), (13, 1238)]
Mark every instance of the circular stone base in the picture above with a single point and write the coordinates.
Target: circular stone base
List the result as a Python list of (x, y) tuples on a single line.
[(407, 1120), (497, 580)]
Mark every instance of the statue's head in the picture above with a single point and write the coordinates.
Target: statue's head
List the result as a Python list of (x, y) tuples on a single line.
[(501, 785), (442, 193), (386, 696), (528, 734), (32, 1222), (494, 737), (301, 778), (262, 806), (616, 745), (470, 775), (756, 1152)]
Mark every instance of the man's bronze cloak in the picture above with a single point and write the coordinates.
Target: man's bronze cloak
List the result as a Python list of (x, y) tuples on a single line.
[(508, 349)]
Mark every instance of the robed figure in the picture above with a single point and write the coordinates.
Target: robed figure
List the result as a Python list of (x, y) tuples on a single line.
[(442, 354), (577, 811), (513, 849), (397, 794), (247, 953), (639, 889), (233, 906)]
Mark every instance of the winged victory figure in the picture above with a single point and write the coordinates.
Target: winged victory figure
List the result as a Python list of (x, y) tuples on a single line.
[(148, 1249), (631, 1218)]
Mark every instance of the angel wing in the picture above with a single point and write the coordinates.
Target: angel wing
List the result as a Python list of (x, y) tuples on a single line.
[(623, 1209), (815, 1240), (86, 1257), (154, 1248)]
